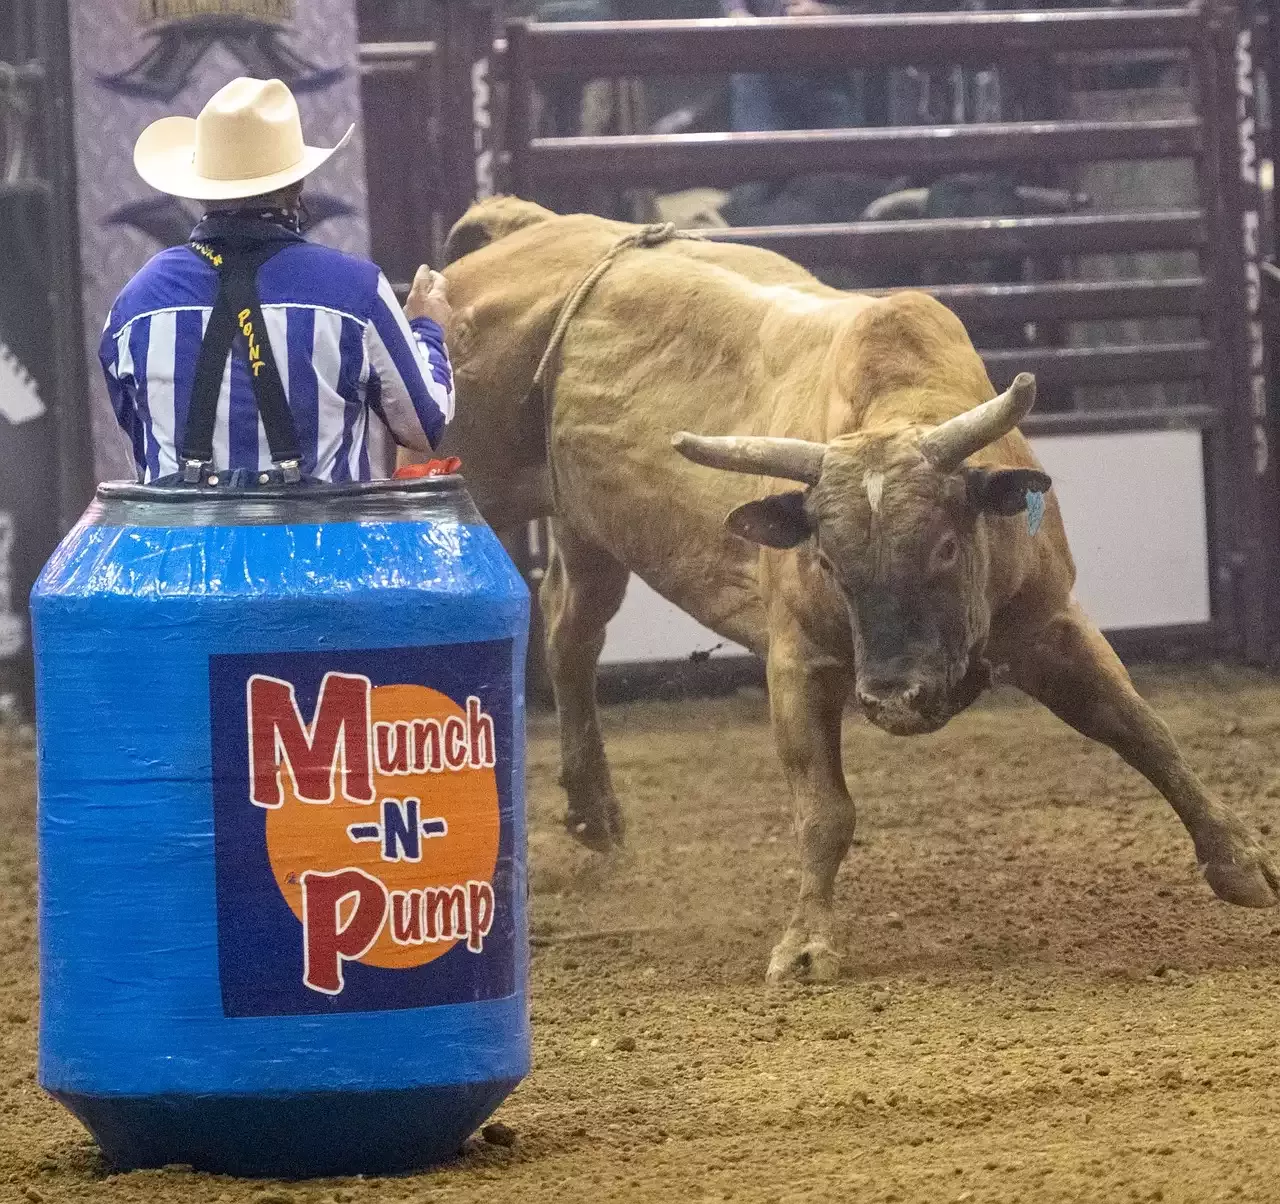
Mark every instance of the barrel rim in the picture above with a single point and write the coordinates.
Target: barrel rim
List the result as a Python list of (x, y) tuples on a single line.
[(132, 491)]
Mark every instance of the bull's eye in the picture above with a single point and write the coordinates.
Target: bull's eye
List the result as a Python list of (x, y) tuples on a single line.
[(824, 563), (946, 553)]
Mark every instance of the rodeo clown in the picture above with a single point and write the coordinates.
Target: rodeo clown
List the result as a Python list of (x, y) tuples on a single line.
[(250, 356)]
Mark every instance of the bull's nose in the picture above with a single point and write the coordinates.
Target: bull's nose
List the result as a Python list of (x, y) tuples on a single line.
[(875, 696), (904, 710)]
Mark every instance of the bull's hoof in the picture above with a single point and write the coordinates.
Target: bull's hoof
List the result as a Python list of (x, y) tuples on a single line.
[(594, 818), (802, 959), (1249, 881), (595, 822), (594, 833)]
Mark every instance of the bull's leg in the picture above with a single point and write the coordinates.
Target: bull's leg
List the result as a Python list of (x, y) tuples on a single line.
[(806, 698), (580, 593), (1071, 669)]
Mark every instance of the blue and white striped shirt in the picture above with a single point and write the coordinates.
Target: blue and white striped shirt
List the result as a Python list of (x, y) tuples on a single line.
[(342, 344)]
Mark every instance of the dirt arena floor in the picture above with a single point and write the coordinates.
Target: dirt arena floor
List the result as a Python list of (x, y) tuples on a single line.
[(1041, 1001)]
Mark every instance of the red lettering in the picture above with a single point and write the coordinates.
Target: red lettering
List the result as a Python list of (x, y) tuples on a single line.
[(327, 941), (392, 743), (279, 739), (446, 913), (406, 917), (480, 914), (480, 735), (455, 742), (426, 746)]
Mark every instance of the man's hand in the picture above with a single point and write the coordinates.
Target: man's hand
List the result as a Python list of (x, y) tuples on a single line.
[(808, 8), (428, 297)]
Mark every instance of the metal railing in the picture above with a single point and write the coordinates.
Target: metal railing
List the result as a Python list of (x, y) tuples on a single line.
[(1215, 295)]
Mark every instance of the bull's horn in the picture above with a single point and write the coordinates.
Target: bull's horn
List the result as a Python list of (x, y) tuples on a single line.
[(948, 445), (908, 202), (791, 459)]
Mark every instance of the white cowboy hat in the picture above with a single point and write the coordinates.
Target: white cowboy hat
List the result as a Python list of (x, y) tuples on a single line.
[(246, 141)]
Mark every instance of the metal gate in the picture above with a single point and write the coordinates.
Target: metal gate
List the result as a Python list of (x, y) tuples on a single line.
[(1221, 361), (429, 94)]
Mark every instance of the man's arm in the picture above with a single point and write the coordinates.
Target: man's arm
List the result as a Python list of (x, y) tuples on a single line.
[(120, 390), (411, 380)]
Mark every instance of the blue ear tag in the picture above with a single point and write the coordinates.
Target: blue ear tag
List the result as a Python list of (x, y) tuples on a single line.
[(1035, 511)]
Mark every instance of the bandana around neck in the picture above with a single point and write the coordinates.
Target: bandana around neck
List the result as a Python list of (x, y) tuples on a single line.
[(277, 217)]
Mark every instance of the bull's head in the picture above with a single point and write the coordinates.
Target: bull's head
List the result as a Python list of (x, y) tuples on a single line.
[(895, 520)]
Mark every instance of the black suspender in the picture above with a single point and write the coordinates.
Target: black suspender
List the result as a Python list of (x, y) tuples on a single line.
[(237, 313)]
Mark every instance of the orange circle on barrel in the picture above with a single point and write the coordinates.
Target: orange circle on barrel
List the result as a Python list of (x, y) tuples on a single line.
[(305, 836)]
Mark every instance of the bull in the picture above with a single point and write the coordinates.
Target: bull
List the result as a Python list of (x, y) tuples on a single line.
[(847, 497)]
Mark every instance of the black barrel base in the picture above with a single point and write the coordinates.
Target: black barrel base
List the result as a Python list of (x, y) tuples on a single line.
[(319, 1134)]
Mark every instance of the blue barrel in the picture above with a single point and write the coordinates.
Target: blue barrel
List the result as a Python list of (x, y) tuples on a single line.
[(282, 826)]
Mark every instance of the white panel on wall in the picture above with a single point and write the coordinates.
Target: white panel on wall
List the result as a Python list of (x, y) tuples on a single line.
[(1134, 506), (649, 628)]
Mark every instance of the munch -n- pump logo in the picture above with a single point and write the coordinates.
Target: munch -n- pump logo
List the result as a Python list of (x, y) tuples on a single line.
[(363, 828)]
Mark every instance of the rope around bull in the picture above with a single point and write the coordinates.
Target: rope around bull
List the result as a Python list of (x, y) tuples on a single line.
[(648, 236), (653, 235)]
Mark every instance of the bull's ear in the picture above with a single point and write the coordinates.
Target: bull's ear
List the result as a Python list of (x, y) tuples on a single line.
[(1003, 490), (777, 522)]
